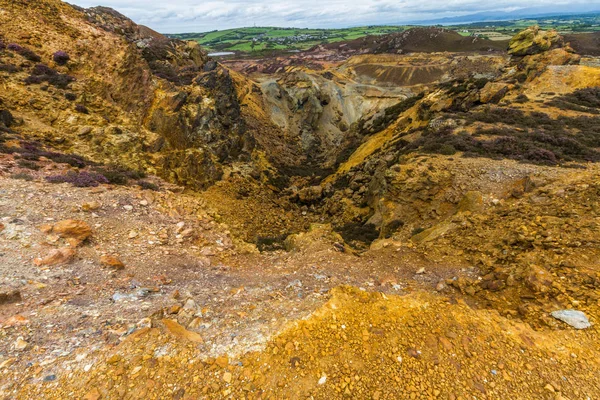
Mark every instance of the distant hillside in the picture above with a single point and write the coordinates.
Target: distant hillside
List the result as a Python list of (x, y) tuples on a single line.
[(470, 34), (421, 40), (565, 12), (585, 43), (273, 38)]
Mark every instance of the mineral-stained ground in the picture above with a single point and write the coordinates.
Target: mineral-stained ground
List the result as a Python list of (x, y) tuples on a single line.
[(416, 216)]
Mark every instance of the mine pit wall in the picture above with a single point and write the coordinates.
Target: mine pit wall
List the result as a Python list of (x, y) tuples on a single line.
[(323, 121), (385, 192), (163, 106)]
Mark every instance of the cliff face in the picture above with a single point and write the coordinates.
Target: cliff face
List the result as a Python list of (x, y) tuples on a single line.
[(132, 96), (144, 100)]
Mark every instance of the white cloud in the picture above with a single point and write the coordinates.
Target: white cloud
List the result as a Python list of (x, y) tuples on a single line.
[(199, 16)]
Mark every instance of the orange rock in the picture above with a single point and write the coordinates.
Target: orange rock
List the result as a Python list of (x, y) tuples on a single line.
[(73, 228), (174, 309), (93, 394), (539, 279), (15, 320), (446, 344), (56, 256), (182, 333), (91, 206), (222, 361), (112, 261), (46, 228)]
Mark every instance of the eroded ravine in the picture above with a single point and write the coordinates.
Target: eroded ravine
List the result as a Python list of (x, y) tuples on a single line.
[(373, 229)]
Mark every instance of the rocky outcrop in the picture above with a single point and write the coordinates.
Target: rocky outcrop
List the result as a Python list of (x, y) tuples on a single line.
[(493, 92), (533, 40), (113, 21), (417, 40), (146, 101), (534, 50)]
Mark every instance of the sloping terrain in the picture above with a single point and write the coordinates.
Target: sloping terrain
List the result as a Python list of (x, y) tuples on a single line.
[(411, 41), (585, 43), (120, 92), (393, 226), (420, 40), (360, 345)]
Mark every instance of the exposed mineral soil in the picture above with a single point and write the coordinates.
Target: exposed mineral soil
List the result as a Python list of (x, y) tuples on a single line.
[(415, 216)]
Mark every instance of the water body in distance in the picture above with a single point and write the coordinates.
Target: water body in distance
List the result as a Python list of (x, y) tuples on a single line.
[(221, 53)]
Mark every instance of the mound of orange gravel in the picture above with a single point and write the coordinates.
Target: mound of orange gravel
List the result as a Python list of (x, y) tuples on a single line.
[(358, 345)]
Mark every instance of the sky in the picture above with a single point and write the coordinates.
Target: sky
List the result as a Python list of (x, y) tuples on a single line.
[(179, 16)]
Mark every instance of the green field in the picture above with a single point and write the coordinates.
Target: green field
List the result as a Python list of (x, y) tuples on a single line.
[(263, 39), (502, 30), (269, 38)]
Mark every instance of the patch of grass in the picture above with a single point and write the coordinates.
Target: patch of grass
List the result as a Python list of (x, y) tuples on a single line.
[(6, 118), (28, 164), (42, 69), (158, 54), (80, 108), (24, 52), (537, 139), (22, 176), (391, 227), (255, 39), (7, 149), (72, 160), (61, 57), (11, 69), (42, 73), (521, 98), (32, 151), (271, 243), (461, 86), (417, 230), (458, 89), (148, 185)]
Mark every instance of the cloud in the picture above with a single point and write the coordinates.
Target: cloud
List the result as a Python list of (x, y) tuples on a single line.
[(200, 16)]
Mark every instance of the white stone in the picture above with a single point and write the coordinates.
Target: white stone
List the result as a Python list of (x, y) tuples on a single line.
[(576, 319)]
